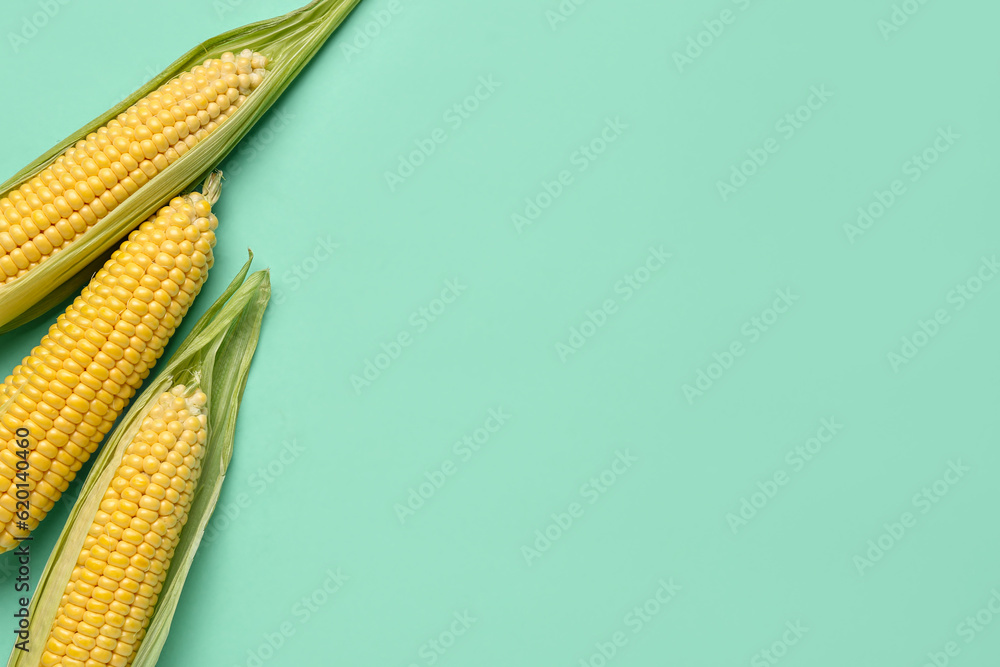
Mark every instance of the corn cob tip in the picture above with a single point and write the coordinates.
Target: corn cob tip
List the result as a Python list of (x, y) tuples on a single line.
[(250, 66)]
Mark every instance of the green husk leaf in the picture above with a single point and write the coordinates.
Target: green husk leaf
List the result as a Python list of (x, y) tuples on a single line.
[(216, 355), (289, 42)]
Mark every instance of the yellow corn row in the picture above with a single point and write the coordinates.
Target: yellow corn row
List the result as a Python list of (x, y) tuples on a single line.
[(52, 210), (70, 390), (112, 591)]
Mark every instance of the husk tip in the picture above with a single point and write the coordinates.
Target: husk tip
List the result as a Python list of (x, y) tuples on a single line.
[(213, 187)]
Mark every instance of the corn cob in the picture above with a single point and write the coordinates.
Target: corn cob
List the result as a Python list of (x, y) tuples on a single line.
[(65, 200), (112, 591), (70, 390), (113, 580)]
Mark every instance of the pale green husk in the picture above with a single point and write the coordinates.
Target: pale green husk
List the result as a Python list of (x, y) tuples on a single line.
[(216, 356), (289, 42)]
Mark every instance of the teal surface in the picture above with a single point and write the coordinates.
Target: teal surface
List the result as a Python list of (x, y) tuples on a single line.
[(604, 333)]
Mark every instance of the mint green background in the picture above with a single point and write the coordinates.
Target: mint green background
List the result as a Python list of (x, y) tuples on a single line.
[(322, 176)]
